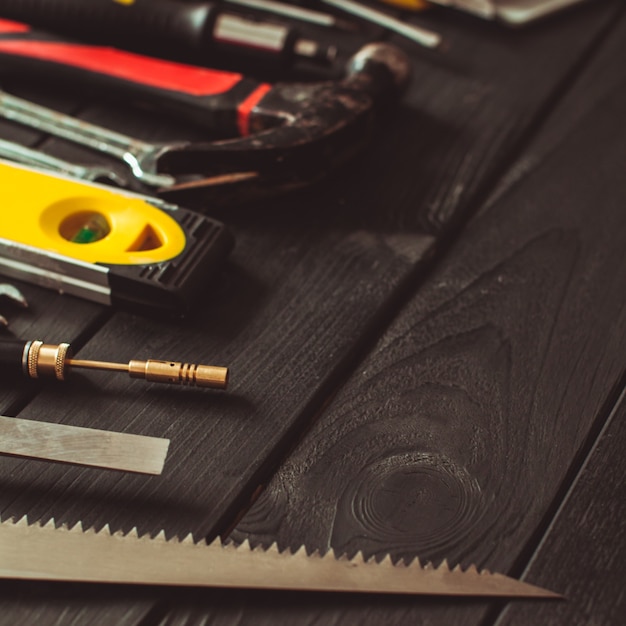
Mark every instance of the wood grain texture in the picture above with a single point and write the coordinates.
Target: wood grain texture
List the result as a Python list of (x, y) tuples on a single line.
[(584, 552), (599, 77), (301, 290), (454, 437), (310, 282), (298, 338), (218, 441)]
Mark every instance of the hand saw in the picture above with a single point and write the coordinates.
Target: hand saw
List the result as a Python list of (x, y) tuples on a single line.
[(36, 552)]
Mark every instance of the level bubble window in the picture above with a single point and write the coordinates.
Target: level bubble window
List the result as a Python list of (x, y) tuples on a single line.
[(85, 227)]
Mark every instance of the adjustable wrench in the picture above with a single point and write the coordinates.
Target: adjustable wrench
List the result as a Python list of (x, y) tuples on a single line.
[(28, 156), (288, 135), (140, 156)]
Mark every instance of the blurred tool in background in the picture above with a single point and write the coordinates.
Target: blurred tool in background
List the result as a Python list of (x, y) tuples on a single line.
[(200, 30), (294, 13), (202, 27), (412, 5), (510, 12), (421, 36)]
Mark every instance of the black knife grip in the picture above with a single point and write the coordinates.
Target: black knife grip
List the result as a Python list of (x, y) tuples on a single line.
[(140, 25), (11, 356)]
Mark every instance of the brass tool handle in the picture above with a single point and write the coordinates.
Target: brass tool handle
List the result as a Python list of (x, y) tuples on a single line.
[(38, 359), (179, 373)]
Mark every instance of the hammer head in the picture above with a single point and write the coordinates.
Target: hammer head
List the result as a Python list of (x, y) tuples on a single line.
[(299, 132)]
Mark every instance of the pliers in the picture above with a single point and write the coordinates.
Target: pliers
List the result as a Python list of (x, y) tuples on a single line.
[(274, 137)]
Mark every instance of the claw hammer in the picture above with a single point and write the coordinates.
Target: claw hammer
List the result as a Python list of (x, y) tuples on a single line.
[(288, 134)]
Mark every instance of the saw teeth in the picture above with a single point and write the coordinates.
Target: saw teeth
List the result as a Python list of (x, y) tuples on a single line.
[(301, 551), (392, 578)]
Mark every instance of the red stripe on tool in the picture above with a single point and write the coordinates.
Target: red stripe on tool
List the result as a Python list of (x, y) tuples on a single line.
[(195, 81), (245, 108), (6, 26)]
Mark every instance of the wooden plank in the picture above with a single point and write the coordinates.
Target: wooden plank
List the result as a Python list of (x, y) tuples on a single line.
[(454, 437), (305, 291), (584, 552), (598, 79), (300, 294), (282, 349)]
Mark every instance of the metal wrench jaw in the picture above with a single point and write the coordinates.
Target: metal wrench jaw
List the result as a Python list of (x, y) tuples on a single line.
[(35, 158), (300, 132), (139, 155), (142, 159), (98, 174)]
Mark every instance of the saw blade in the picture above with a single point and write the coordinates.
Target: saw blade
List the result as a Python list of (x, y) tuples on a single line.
[(36, 552), (82, 446)]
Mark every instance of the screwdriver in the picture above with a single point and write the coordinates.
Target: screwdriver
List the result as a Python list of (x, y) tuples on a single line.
[(295, 13), (421, 36), (200, 28), (37, 359)]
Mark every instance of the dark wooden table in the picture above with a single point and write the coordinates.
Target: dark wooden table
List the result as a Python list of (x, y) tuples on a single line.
[(427, 351)]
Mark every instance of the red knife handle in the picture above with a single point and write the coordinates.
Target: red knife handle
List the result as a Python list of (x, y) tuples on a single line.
[(219, 101)]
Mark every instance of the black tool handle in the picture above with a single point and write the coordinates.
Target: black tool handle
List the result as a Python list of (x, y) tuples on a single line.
[(142, 21), (12, 353), (192, 32), (217, 100)]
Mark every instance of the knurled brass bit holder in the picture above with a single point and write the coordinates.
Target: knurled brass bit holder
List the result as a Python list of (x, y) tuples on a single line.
[(44, 360)]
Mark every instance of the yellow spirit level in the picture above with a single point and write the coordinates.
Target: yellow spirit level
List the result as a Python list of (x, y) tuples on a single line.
[(104, 244)]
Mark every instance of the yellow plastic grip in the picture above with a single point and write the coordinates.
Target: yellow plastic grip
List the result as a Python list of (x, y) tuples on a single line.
[(83, 221)]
